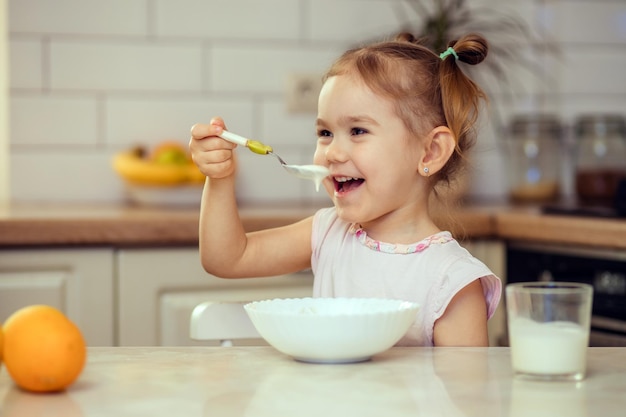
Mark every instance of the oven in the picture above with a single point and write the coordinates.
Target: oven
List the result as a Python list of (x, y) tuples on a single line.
[(604, 269)]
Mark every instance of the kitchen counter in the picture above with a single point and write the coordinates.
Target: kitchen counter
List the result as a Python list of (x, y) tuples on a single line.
[(260, 381), (123, 226)]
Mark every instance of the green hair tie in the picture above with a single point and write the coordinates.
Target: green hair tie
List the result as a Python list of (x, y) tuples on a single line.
[(449, 51)]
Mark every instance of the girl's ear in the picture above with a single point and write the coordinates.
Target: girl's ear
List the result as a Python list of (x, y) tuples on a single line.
[(439, 145)]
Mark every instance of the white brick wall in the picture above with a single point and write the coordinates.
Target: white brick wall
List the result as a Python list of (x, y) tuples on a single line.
[(89, 78)]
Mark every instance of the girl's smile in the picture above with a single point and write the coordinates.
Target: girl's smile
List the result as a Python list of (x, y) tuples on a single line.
[(344, 185)]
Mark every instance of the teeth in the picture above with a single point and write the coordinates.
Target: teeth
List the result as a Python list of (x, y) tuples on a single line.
[(345, 179)]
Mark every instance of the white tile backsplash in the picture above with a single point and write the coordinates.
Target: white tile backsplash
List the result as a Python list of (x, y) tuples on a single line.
[(279, 127), (254, 69), (226, 19), (263, 180), (125, 66), (78, 17), (594, 70), (353, 21), (151, 120), (54, 120), (588, 22), (26, 67), (89, 78), (64, 175)]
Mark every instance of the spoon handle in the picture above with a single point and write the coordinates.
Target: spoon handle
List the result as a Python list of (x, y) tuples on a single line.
[(234, 138), (254, 145)]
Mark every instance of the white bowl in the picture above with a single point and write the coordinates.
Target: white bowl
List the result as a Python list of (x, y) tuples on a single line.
[(332, 330)]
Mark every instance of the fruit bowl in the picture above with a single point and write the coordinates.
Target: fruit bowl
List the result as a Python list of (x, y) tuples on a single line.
[(165, 176), (331, 330), (174, 196)]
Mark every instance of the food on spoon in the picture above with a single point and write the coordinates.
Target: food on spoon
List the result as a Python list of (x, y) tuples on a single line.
[(258, 147), (316, 173)]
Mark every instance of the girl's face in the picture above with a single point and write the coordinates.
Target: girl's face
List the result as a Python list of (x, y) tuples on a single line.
[(373, 158)]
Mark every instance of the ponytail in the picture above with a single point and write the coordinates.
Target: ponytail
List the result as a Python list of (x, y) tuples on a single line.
[(460, 96)]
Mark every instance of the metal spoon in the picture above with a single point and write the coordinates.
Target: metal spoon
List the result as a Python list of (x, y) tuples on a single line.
[(315, 173)]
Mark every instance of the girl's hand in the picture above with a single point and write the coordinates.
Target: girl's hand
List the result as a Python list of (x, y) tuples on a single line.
[(213, 155)]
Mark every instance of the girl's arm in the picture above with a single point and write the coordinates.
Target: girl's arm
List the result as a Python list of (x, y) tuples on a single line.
[(226, 250), (464, 322)]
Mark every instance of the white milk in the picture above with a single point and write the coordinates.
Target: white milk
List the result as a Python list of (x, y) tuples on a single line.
[(556, 347), (316, 173)]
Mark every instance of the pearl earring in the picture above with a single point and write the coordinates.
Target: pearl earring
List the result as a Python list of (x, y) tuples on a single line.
[(426, 170)]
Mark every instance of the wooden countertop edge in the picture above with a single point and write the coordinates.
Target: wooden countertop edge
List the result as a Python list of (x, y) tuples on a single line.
[(150, 231), (101, 232), (175, 228), (561, 229)]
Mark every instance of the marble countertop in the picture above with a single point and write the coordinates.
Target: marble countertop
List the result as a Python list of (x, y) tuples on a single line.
[(138, 226), (260, 381)]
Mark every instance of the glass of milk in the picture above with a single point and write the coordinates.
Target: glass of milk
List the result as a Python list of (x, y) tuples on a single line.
[(548, 324)]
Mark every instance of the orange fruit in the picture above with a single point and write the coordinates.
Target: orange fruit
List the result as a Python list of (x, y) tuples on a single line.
[(1, 345), (44, 351)]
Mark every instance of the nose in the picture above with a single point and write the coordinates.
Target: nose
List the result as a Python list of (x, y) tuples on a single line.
[(336, 151)]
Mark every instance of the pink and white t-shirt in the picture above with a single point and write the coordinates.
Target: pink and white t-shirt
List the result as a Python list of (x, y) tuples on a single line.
[(347, 263)]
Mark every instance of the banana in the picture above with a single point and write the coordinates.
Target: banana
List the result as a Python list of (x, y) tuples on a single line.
[(135, 169), (195, 175)]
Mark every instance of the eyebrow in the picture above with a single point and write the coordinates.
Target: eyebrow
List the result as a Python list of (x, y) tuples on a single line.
[(348, 120)]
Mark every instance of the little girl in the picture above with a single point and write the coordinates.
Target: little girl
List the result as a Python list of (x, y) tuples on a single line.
[(394, 119)]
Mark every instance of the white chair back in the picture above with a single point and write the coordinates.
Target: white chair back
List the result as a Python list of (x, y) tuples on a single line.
[(222, 321)]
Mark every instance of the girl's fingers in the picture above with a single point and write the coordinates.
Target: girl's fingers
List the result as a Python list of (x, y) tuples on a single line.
[(202, 130), (218, 121)]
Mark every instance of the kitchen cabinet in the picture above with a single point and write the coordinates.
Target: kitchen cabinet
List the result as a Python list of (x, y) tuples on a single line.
[(145, 296), (493, 254), (78, 282), (157, 290)]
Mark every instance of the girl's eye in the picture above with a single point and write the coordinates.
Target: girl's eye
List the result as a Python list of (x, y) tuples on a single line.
[(358, 131), (323, 133)]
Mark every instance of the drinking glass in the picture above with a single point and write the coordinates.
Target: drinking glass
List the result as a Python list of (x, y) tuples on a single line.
[(548, 325)]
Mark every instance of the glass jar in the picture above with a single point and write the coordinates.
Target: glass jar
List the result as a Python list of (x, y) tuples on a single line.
[(601, 157), (534, 156)]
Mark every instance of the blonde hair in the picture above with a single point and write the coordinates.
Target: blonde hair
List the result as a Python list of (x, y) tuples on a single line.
[(428, 91)]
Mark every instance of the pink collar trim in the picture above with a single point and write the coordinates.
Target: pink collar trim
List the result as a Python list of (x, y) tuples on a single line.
[(422, 245)]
